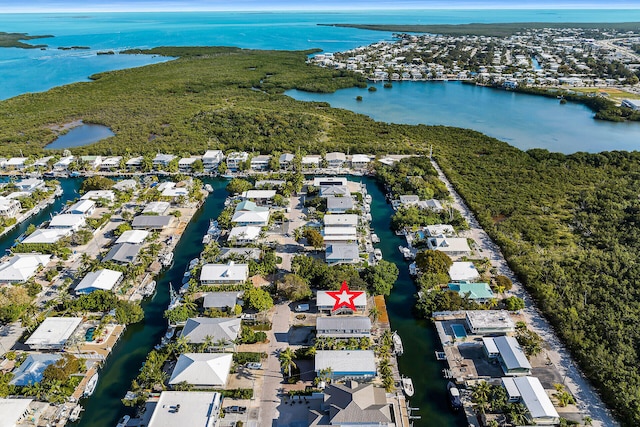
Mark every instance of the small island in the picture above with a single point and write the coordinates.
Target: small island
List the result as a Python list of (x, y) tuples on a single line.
[(15, 40)]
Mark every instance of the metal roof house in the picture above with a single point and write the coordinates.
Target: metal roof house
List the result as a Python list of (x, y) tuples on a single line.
[(203, 370), (224, 329), (478, 292), (123, 253), (341, 220), (82, 207), (343, 327), (31, 370), (47, 235), (151, 222), (212, 158), (53, 333), (186, 408), (530, 392), (335, 159), (12, 411), (133, 236), (342, 253), (224, 274), (463, 271), (108, 195), (67, 221), (325, 303), (347, 364), (220, 300), (104, 280), (512, 359), (489, 322), (21, 267), (339, 205), (452, 246)]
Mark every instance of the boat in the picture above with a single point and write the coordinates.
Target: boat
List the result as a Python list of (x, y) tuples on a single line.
[(368, 199), (454, 396), (193, 263), (413, 269), (91, 385), (214, 229), (75, 413), (208, 188), (175, 298), (166, 259), (149, 289), (397, 344), (407, 386), (206, 239), (377, 253), (123, 421), (184, 288), (406, 252), (375, 238)]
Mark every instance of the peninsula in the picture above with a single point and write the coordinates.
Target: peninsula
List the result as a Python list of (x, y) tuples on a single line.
[(15, 40)]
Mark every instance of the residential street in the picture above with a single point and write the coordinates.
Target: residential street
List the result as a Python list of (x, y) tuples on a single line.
[(575, 382)]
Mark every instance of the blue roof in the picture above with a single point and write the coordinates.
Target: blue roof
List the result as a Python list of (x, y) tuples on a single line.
[(474, 290), (31, 370)]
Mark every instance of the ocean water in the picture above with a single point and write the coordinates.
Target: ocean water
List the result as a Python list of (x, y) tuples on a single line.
[(34, 70)]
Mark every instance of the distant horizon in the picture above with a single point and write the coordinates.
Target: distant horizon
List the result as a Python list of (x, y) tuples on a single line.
[(77, 6)]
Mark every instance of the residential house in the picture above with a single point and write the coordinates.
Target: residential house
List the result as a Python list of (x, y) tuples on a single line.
[(31, 370), (325, 303), (202, 370), (360, 161), (47, 236), (248, 213), (343, 327), (156, 208), (340, 235), (325, 181), (236, 159), (14, 411), (530, 392), (42, 162), (63, 163), (82, 207), (186, 163), (510, 355), (346, 364), (221, 300), (53, 333), (16, 163), (152, 222), (260, 197), (107, 195), (186, 408), (244, 235), (30, 185), (134, 163), (163, 160), (9, 208), (224, 274), (243, 253), (133, 236), (91, 162), (334, 190), (212, 159), (125, 185), (342, 253), (124, 253), (110, 163), (478, 292), (489, 322), (335, 160), (100, 280), (344, 220), (463, 271), (452, 246), (286, 160), (440, 230), (311, 162), (261, 162), (71, 222), (339, 205), (219, 330), (21, 267)]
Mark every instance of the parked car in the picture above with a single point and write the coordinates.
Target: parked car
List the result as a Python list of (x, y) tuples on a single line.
[(254, 365), (235, 409), (302, 307)]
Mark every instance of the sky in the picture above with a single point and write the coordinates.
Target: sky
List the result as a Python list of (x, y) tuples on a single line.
[(31, 6)]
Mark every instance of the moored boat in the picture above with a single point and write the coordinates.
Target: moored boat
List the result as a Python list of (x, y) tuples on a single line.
[(123, 421), (398, 348), (149, 289), (375, 238), (91, 385), (166, 259), (377, 253), (75, 413), (407, 386), (454, 396), (208, 188)]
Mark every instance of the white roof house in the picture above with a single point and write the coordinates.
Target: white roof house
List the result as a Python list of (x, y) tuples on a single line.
[(99, 194), (21, 267), (259, 194), (63, 163), (260, 219), (82, 207), (133, 236), (440, 230), (512, 359), (342, 253), (163, 159), (212, 158), (197, 329), (335, 159), (347, 364), (53, 333), (243, 235), (481, 322), (224, 274), (463, 272), (99, 280), (340, 234), (359, 161), (9, 208), (125, 185), (311, 161), (30, 184), (339, 204), (341, 220), (187, 162), (322, 181), (156, 207), (134, 162), (202, 369), (186, 408), (326, 302), (236, 158), (534, 397), (220, 300), (48, 235), (343, 326), (13, 411), (111, 162), (15, 162), (68, 221), (334, 190), (452, 246)]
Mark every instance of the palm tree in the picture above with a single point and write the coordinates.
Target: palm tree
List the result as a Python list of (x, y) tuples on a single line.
[(480, 396), (207, 343), (182, 345), (286, 360), (374, 313), (517, 413)]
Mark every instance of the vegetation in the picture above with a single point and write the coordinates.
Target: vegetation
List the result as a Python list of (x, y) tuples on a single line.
[(14, 40), (96, 182)]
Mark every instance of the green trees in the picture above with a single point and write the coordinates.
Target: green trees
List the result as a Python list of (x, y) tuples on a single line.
[(238, 186), (96, 182), (513, 303), (380, 278), (179, 314), (294, 288), (285, 357), (128, 312), (314, 238), (258, 299), (435, 262)]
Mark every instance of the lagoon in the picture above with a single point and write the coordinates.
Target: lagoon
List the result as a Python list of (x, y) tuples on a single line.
[(78, 136), (522, 120)]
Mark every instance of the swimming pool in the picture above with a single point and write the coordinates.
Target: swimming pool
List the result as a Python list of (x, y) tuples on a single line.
[(458, 331)]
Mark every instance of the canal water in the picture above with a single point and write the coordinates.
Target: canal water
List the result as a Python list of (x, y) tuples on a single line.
[(418, 336), (104, 408), (84, 134)]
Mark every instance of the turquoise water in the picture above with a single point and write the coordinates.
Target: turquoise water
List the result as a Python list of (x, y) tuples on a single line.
[(82, 135), (524, 121), (34, 70), (458, 331)]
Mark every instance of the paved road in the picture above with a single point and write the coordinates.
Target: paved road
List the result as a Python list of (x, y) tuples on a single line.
[(272, 375), (575, 381)]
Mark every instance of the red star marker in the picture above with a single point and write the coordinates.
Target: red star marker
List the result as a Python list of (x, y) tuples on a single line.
[(344, 297)]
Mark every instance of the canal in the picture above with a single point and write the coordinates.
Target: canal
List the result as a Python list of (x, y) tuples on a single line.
[(104, 408), (418, 336)]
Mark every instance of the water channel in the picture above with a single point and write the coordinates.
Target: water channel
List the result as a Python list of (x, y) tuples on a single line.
[(78, 136)]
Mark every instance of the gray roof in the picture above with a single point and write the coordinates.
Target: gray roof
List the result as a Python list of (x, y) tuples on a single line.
[(197, 328), (357, 403), (344, 323), (334, 190), (220, 299), (249, 253), (334, 202), (123, 252), (151, 221), (338, 251), (511, 353), (31, 370)]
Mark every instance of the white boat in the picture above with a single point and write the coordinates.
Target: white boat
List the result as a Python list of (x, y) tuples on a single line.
[(166, 259), (123, 421), (149, 289), (406, 252), (413, 269), (175, 298), (368, 198), (454, 396), (377, 253), (407, 386), (208, 188), (397, 344), (375, 238), (75, 413), (206, 239), (193, 263), (213, 229), (91, 385)]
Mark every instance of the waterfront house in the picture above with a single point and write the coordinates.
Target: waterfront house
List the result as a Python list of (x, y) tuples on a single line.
[(90, 162), (219, 330), (243, 253), (352, 404), (152, 222), (489, 322), (202, 370), (452, 246), (133, 236), (110, 163), (530, 392), (334, 190), (360, 161), (172, 190), (21, 267), (260, 163), (63, 163), (42, 162), (339, 205), (134, 163), (325, 181), (440, 230), (185, 164), (510, 355), (9, 208), (340, 234), (212, 159), (46, 236), (220, 300), (311, 162), (463, 271), (30, 185), (31, 370), (82, 207), (335, 160), (341, 220), (53, 333), (244, 235), (186, 408), (162, 160), (125, 185), (343, 327), (15, 163), (14, 411), (156, 208), (260, 197), (325, 303), (286, 160), (73, 222), (342, 253), (123, 253), (634, 104), (478, 292), (224, 274), (101, 280), (236, 159), (248, 213), (346, 364), (96, 195)]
